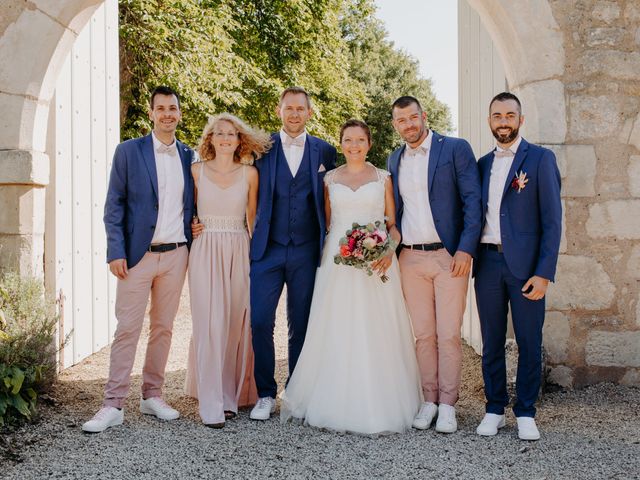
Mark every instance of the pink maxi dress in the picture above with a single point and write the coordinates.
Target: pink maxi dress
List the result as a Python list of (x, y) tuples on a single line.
[(220, 365)]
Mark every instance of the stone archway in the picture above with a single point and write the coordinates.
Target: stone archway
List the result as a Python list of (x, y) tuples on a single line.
[(35, 37)]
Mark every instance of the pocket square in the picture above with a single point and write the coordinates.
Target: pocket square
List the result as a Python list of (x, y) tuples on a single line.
[(322, 168)]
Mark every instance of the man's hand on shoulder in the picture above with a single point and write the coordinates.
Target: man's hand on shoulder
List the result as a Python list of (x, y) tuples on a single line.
[(119, 268)]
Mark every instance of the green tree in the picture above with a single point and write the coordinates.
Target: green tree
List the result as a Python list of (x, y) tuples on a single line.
[(386, 73)]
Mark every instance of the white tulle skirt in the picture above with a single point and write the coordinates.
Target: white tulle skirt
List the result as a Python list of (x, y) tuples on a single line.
[(357, 371)]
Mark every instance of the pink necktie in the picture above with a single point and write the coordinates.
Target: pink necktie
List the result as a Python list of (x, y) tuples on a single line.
[(294, 142), (503, 153), (167, 149)]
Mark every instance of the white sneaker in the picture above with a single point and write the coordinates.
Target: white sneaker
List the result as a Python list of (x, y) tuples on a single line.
[(423, 419), (490, 424), (158, 407), (446, 419), (105, 418), (263, 408), (527, 429)]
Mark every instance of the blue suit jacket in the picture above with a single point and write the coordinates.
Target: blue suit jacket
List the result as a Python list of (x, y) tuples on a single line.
[(530, 220), (321, 153), (131, 207), (454, 192)]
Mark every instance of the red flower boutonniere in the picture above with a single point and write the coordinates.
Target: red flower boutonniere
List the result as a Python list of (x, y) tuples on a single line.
[(520, 181)]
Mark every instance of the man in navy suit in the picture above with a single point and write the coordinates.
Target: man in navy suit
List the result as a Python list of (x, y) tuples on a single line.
[(437, 193), (516, 261), (147, 217), (287, 239)]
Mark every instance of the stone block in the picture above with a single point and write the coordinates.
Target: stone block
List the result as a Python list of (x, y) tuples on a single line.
[(613, 349), (544, 109), (637, 36), (577, 165), (17, 121), (612, 63), (615, 218), (599, 116), (632, 13), (606, 11), (631, 378), (604, 36), (556, 334), (633, 264), (561, 375), (24, 167), (638, 311), (563, 236), (22, 253), (634, 134), (22, 209), (581, 283)]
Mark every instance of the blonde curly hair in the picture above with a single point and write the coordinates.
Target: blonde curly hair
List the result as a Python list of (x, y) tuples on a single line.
[(253, 142)]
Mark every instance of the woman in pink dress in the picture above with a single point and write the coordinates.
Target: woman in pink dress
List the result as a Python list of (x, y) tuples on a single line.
[(220, 365)]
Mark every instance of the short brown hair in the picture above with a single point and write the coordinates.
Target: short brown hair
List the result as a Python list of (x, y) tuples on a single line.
[(295, 91), (163, 90), (355, 123)]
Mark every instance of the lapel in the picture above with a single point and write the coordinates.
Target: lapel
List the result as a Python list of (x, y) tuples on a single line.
[(394, 168), (314, 162), (186, 168), (150, 161), (434, 156), (521, 154), (486, 179), (273, 159)]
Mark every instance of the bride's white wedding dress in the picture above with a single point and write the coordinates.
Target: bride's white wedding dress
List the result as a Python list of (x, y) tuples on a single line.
[(357, 371)]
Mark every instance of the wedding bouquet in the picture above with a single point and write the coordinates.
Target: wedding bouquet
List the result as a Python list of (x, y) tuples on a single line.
[(364, 244)]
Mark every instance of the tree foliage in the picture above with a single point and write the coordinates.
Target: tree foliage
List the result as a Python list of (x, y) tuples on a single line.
[(238, 55)]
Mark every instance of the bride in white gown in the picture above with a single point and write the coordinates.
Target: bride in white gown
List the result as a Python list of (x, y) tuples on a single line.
[(357, 371)]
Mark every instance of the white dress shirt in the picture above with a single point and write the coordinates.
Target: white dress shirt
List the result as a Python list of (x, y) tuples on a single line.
[(499, 171), (417, 220), (170, 224), (293, 153)]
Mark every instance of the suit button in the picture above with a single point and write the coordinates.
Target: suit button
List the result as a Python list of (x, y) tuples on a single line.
[(153, 227), (155, 206)]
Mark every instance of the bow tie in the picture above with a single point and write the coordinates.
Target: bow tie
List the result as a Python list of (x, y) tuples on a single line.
[(167, 149), (503, 153), (294, 142), (412, 152)]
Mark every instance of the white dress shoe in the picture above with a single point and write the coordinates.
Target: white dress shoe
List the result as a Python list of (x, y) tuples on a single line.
[(490, 424), (446, 419), (105, 418), (527, 429), (422, 421), (263, 408), (158, 407)]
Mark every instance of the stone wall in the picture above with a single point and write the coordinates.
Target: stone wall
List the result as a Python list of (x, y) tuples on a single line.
[(592, 333)]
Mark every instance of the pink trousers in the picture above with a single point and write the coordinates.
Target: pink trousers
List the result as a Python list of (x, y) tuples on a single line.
[(436, 303), (162, 274)]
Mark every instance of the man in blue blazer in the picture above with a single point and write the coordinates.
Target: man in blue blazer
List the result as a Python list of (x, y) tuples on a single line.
[(516, 261), (287, 239), (438, 213), (147, 217)]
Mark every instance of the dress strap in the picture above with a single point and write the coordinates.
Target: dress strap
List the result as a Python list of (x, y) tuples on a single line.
[(200, 174), (382, 174)]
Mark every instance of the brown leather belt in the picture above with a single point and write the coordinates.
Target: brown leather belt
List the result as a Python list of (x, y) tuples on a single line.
[(491, 246), (165, 247), (425, 247)]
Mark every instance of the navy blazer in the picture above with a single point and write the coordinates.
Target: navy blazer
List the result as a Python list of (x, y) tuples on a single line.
[(530, 220), (131, 207), (321, 153), (454, 192)]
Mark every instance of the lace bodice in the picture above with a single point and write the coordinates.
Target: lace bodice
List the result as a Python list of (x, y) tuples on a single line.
[(363, 205)]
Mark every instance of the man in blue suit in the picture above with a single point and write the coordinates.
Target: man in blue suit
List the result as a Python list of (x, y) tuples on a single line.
[(438, 213), (516, 261), (147, 216), (287, 239)]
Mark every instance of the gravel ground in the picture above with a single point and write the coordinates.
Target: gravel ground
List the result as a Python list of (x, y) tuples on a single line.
[(587, 434)]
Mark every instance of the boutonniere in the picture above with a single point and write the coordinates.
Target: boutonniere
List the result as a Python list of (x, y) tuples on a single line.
[(520, 181)]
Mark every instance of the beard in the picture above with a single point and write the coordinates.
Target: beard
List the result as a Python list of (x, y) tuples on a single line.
[(413, 137), (509, 137)]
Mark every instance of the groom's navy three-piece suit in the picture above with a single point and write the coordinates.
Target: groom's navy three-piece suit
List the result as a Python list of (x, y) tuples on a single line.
[(530, 228), (285, 249)]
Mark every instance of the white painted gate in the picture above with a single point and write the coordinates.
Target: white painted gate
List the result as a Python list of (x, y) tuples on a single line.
[(481, 77), (83, 131)]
